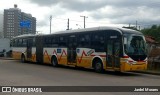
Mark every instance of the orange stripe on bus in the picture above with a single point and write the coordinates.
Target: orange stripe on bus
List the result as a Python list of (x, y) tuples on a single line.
[(83, 54), (54, 52), (34, 56), (63, 53), (47, 55)]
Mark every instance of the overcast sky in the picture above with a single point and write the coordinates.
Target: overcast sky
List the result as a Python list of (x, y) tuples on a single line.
[(99, 12)]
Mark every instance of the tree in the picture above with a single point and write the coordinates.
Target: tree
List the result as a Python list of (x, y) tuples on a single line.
[(154, 31)]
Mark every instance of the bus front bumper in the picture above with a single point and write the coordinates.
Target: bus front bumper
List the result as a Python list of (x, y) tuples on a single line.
[(133, 67)]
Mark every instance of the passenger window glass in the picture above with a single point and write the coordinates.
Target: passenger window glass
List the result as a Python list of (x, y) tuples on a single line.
[(98, 42), (109, 48), (55, 42), (62, 42), (84, 40), (24, 42)]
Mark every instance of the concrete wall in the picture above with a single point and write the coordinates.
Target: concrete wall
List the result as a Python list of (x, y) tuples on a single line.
[(5, 45)]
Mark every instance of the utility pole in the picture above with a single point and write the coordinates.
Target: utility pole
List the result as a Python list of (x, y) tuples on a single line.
[(50, 23), (84, 20), (136, 24), (129, 25), (139, 27), (68, 24)]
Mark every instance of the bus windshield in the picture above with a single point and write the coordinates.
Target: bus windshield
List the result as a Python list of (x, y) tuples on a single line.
[(135, 45)]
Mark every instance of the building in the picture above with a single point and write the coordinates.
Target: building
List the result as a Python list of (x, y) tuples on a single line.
[(32, 28), (1, 35), (151, 43), (14, 23), (153, 48), (1, 25)]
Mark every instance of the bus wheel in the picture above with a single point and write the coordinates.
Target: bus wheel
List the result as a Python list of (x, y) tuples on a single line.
[(54, 62), (98, 67), (23, 59)]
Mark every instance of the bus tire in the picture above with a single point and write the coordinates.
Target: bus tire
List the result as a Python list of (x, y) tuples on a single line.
[(23, 60), (54, 62), (98, 67)]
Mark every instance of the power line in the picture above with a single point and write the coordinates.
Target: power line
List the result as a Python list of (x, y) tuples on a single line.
[(82, 21), (137, 24)]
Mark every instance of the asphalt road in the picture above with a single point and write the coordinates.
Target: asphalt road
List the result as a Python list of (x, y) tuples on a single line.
[(15, 73)]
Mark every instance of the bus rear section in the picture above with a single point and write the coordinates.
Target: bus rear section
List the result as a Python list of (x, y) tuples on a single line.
[(23, 48)]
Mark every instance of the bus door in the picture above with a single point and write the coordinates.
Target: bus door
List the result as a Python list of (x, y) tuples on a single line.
[(72, 43), (39, 49), (29, 47), (113, 53)]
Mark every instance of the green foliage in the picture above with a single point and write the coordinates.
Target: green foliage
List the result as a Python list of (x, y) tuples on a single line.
[(154, 31)]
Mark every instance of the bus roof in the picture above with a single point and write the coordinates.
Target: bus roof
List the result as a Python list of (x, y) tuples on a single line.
[(25, 35), (85, 30), (130, 31), (120, 30)]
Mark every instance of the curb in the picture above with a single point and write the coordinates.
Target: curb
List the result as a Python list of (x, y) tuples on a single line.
[(6, 58), (149, 72)]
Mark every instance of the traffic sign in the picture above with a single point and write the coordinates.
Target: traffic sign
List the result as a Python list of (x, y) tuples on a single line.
[(26, 24)]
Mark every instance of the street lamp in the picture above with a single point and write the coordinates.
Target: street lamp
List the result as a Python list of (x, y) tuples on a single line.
[(50, 23)]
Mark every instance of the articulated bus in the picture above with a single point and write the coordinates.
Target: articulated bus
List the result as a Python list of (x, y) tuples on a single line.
[(100, 48)]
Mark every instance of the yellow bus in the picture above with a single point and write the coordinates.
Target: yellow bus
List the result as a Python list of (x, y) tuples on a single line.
[(99, 48)]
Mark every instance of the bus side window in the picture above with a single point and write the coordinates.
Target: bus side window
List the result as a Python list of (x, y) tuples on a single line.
[(34, 42), (109, 48), (47, 42), (84, 40), (62, 41), (13, 43), (29, 42), (19, 42), (97, 42), (55, 41), (117, 49), (24, 43)]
